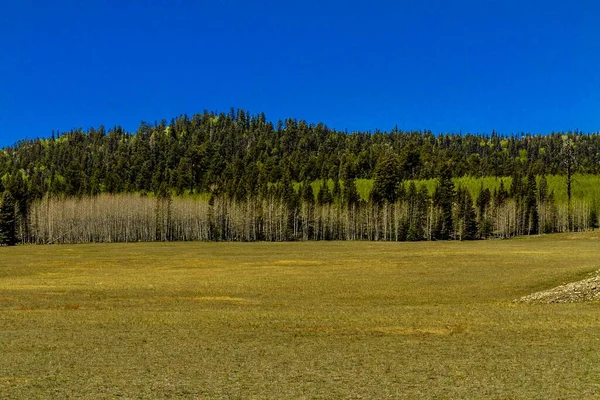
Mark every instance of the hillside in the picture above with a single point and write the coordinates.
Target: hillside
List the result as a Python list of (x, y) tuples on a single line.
[(239, 153), (242, 173)]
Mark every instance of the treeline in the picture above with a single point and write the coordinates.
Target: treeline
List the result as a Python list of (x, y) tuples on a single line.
[(237, 162), (239, 154), (283, 213)]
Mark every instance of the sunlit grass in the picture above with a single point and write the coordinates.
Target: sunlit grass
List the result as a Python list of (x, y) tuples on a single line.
[(298, 320)]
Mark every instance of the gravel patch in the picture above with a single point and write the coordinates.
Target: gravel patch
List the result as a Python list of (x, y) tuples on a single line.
[(574, 292)]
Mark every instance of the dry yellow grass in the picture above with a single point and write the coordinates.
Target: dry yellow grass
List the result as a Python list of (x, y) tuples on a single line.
[(298, 320)]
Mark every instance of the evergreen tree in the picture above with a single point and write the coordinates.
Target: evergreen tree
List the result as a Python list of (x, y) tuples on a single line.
[(417, 212), (466, 215), (531, 215), (324, 196), (517, 192), (483, 201), (593, 218), (337, 190), (569, 162), (543, 191), (388, 175), (516, 186), (183, 176), (308, 196), (288, 195), (243, 157), (8, 234), (410, 160), (500, 196), (351, 196), (443, 198)]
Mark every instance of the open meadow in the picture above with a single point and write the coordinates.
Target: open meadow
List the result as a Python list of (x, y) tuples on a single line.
[(314, 320)]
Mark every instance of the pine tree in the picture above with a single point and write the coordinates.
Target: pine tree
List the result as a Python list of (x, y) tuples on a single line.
[(350, 194), (337, 190), (531, 216), (388, 175), (543, 191), (500, 196), (8, 234), (308, 196), (443, 198), (324, 196), (569, 162), (483, 202), (417, 211), (288, 195), (466, 215), (593, 218)]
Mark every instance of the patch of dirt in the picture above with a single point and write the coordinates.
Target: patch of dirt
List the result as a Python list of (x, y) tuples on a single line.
[(574, 292)]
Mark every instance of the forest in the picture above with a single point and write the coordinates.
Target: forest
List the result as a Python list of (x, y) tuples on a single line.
[(239, 177)]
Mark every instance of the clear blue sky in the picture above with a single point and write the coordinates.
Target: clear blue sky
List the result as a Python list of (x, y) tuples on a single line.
[(448, 66)]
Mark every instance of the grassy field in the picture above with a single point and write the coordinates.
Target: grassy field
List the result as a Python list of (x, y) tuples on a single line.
[(311, 320)]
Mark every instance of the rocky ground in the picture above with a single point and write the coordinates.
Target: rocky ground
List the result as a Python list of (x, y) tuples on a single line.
[(574, 292)]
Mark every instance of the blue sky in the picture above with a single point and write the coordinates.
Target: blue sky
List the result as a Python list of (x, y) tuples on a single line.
[(448, 66)]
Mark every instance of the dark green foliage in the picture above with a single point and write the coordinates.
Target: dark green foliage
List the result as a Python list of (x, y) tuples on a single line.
[(483, 203), (593, 218), (417, 212), (350, 195), (308, 196), (516, 187), (467, 219), (324, 196), (193, 154), (184, 176), (410, 161), (8, 234), (530, 215), (288, 195), (543, 192), (239, 157), (387, 178), (443, 198), (500, 196)]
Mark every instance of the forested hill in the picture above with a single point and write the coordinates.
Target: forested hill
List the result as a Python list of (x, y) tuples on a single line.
[(238, 154)]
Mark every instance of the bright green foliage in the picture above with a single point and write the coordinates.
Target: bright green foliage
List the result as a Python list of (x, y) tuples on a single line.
[(246, 158), (364, 188), (193, 154)]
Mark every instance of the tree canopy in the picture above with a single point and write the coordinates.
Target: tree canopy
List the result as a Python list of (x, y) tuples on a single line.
[(239, 154)]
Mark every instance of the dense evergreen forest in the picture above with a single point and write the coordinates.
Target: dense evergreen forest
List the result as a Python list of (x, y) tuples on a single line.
[(237, 176)]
